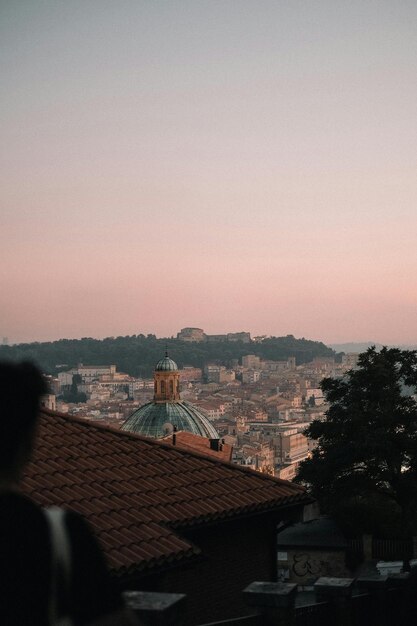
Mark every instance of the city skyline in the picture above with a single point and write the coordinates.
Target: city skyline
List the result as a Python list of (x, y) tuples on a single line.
[(241, 165)]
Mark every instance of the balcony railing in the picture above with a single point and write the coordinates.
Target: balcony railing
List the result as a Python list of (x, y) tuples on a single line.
[(374, 601)]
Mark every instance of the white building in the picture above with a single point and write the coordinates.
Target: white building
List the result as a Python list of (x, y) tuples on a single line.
[(251, 376), (49, 401)]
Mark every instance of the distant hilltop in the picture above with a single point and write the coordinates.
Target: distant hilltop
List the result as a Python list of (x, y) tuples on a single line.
[(354, 346), (137, 354), (364, 345)]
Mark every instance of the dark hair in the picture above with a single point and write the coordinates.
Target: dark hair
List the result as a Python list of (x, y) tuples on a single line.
[(21, 387)]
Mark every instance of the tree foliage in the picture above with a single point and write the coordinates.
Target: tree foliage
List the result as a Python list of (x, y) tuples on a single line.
[(73, 395), (364, 468), (137, 354)]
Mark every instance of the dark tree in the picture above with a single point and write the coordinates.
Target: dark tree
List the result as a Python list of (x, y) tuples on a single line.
[(137, 354), (73, 395), (311, 402), (364, 468)]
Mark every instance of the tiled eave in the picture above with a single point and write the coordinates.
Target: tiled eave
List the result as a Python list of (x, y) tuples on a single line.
[(138, 493)]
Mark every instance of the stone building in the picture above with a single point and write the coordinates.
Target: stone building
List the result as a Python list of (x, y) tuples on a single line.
[(191, 334)]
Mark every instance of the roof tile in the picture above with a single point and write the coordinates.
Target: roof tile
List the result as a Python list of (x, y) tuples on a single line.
[(135, 491)]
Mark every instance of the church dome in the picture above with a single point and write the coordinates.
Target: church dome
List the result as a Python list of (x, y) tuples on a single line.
[(159, 419), (167, 411), (166, 365)]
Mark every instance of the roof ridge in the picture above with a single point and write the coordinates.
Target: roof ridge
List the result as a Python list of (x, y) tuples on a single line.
[(112, 476), (159, 443)]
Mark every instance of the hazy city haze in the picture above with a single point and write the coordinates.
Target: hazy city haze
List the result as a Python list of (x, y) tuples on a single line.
[(231, 165)]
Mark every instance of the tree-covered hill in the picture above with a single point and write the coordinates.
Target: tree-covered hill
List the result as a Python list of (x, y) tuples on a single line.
[(137, 354)]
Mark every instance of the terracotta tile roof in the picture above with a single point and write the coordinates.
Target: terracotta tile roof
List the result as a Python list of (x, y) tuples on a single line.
[(135, 491), (190, 441)]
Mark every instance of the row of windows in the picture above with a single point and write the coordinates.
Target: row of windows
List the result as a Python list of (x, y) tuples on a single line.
[(163, 388)]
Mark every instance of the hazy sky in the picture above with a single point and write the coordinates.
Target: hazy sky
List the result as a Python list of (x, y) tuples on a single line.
[(227, 164)]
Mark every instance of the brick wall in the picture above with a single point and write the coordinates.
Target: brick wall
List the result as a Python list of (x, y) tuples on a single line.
[(234, 554)]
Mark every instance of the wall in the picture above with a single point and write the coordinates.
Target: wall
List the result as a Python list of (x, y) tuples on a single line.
[(234, 554), (305, 565)]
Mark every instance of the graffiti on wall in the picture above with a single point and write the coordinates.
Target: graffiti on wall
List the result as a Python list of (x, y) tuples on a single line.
[(306, 565)]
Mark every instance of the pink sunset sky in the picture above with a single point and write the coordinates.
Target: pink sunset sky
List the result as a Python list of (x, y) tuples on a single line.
[(232, 165)]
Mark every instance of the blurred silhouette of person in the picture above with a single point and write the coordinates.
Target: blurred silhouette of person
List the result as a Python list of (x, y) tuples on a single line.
[(33, 589)]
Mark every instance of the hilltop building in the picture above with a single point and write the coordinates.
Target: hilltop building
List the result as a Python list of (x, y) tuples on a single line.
[(167, 412), (191, 334), (197, 335)]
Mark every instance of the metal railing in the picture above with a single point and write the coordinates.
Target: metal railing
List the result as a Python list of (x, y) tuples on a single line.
[(249, 620), (392, 549), (318, 614)]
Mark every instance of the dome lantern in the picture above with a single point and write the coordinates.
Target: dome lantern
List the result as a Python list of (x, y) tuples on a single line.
[(166, 381), (166, 364)]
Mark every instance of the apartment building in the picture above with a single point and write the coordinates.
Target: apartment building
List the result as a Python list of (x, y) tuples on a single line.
[(251, 361)]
